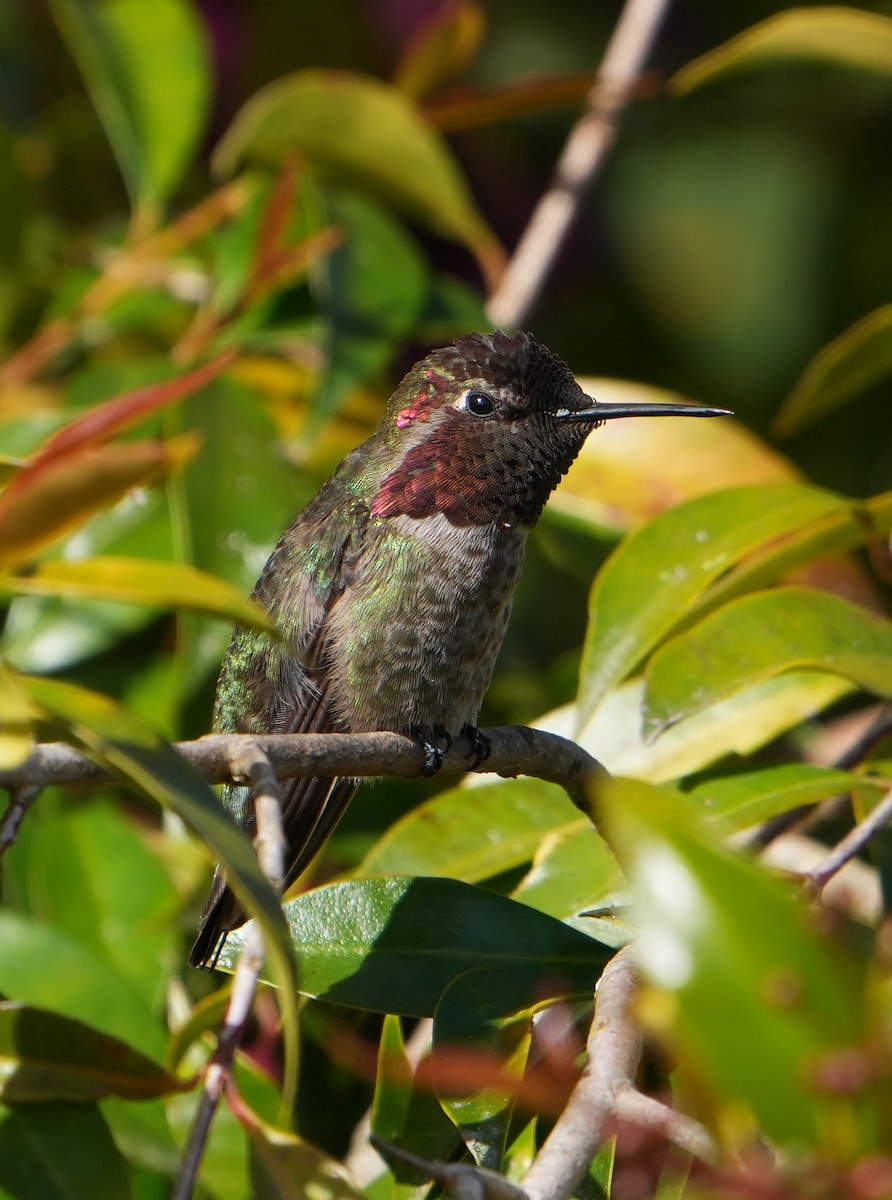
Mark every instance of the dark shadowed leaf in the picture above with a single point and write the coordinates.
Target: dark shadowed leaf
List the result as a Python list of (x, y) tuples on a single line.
[(59, 1152), (848, 366), (44, 1056), (394, 944), (758, 637)]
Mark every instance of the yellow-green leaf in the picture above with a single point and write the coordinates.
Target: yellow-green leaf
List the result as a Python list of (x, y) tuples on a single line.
[(139, 581), (832, 34), (848, 366), (16, 738)]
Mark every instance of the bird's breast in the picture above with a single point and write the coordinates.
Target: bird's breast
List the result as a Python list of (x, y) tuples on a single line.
[(413, 638)]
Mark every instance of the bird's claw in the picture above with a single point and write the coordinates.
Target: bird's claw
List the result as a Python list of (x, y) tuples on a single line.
[(433, 755), (481, 746)]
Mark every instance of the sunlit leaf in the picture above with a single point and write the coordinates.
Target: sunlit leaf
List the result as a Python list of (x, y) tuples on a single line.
[(472, 833), (394, 944), (441, 48), (59, 1152), (368, 133), (573, 870), (660, 570), (16, 737), (734, 802), (758, 637), (66, 490), (139, 581), (756, 1004), (146, 66), (739, 725), (845, 368), (44, 1056), (832, 34)]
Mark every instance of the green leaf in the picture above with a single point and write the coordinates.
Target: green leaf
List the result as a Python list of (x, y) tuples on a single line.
[(845, 368), (481, 1042), (48, 969), (573, 870), (731, 803), (408, 1114), (44, 1056), (739, 725), (756, 1004), (140, 581), (372, 289), (658, 572), (131, 748), (830, 33), (394, 945), (59, 1152), (441, 48), (146, 66), (88, 872), (472, 833), (759, 636), (16, 736), (285, 1167), (365, 132)]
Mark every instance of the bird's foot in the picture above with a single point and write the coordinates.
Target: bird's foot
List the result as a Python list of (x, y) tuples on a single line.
[(433, 753), (481, 746)]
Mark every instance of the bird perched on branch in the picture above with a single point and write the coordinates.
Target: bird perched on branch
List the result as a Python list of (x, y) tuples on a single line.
[(393, 587)]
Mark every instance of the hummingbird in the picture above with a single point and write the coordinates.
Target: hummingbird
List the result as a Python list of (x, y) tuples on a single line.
[(392, 588)]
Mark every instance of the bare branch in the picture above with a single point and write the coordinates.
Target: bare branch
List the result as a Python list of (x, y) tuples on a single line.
[(20, 800), (252, 765), (851, 845), (515, 750), (578, 164), (606, 1092)]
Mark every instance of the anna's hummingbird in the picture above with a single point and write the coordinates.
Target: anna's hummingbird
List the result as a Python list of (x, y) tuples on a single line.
[(393, 586)]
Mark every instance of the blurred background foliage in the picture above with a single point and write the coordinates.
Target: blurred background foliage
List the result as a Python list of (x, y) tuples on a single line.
[(227, 228)]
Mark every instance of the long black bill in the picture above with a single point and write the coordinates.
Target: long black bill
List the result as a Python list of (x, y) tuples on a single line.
[(604, 412)]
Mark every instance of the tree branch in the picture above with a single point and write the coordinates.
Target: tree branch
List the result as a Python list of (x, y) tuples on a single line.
[(578, 164), (515, 750)]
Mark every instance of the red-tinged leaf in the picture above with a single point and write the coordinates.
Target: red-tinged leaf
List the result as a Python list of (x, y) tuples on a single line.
[(45, 1056), (441, 49), (101, 422), (62, 491)]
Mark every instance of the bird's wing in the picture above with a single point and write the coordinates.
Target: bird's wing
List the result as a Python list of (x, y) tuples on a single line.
[(270, 687)]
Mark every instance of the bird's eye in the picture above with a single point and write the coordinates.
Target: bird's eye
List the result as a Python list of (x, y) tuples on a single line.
[(480, 404)]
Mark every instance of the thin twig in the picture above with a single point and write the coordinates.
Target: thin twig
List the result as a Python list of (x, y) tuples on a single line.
[(851, 845), (20, 801), (252, 766), (578, 164), (606, 1092)]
